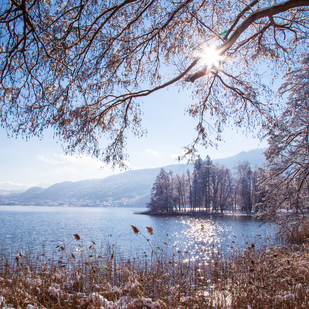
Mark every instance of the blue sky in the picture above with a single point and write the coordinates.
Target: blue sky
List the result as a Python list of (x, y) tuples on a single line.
[(32, 162)]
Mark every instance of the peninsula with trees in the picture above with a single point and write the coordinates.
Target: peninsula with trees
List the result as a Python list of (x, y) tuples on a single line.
[(209, 189), (82, 69)]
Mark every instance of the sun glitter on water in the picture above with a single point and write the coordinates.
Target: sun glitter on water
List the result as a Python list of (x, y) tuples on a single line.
[(200, 238)]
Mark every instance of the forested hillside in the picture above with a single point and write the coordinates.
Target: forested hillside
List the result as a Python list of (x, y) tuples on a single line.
[(130, 188)]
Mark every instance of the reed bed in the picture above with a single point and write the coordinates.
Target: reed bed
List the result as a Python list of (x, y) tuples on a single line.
[(96, 277)]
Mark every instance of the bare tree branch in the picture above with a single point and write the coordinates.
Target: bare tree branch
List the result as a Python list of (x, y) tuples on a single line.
[(267, 12)]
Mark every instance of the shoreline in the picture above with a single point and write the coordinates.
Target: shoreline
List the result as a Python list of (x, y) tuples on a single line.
[(194, 213)]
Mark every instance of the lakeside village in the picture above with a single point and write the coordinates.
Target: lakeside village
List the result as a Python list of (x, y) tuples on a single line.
[(209, 188), (275, 277), (67, 203)]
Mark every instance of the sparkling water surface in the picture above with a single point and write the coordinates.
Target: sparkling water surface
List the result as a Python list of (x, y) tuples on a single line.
[(38, 228)]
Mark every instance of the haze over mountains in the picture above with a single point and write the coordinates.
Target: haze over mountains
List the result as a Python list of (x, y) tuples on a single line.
[(130, 188)]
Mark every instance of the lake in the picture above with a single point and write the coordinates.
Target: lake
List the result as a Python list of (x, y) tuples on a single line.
[(38, 229)]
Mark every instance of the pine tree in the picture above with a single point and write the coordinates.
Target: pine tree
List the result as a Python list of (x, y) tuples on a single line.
[(162, 198), (197, 184), (180, 185), (244, 192), (223, 198), (189, 189), (208, 183)]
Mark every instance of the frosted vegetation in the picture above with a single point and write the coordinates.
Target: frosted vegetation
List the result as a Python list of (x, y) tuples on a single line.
[(210, 188), (81, 67), (282, 185), (276, 277)]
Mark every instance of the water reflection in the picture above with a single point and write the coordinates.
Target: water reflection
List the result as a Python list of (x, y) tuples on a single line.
[(190, 237), (197, 238), (200, 237)]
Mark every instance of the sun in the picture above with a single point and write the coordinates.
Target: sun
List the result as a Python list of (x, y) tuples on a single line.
[(210, 56)]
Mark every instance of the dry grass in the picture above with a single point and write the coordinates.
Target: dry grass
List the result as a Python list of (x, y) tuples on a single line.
[(277, 277), (295, 231)]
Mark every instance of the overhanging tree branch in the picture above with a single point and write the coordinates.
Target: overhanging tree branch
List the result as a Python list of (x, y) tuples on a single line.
[(267, 12), (80, 67)]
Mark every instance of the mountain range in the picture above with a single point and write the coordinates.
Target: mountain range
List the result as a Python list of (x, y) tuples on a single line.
[(130, 188)]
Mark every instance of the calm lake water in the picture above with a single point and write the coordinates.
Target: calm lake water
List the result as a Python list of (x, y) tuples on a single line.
[(25, 228)]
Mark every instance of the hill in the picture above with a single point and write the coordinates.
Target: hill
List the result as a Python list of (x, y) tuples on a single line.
[(130, 188), (255, 157)]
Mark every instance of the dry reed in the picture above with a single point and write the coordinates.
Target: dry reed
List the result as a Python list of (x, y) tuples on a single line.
[(276, 277)]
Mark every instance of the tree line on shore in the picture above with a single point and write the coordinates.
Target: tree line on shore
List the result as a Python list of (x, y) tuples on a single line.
[(82, 69), (210, 187), (283, 183)]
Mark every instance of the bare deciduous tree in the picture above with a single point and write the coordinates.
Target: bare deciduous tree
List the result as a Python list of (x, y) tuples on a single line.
[(81, 66), (286, 179)]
